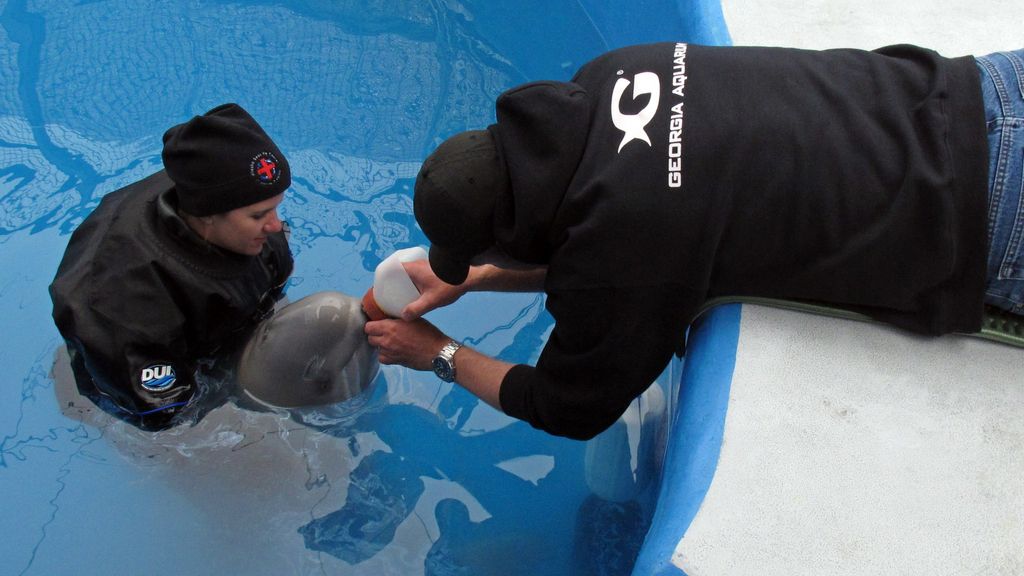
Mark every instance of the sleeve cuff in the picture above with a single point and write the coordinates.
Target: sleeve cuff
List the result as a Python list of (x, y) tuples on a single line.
[(514, 391)]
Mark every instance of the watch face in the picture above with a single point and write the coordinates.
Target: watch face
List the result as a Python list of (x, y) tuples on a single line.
[(443, 369)]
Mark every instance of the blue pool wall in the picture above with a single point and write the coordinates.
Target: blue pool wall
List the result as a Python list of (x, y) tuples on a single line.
[(625, 23), (695, 436)]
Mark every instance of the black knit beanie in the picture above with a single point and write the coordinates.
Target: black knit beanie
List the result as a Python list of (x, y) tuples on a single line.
[(223, 160)]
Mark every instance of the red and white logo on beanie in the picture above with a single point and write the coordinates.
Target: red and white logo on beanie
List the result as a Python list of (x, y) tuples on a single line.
[(264, 167)]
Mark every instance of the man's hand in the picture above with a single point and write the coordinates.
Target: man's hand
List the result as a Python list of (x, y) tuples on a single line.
[(434, 292), (410, 344), (489, 273)]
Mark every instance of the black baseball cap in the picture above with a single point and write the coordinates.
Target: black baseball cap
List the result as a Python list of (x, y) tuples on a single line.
[(454, 201)]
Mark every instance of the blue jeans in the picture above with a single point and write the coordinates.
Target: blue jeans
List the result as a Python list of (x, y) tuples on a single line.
[(1002, 84)]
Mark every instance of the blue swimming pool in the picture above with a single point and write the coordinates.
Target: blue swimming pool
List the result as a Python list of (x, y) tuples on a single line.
[(415, 477)]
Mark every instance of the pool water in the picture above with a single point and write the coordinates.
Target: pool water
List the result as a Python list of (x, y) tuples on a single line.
[(415, 476)]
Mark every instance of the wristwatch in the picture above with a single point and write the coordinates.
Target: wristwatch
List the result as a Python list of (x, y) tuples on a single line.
[(444, 362)]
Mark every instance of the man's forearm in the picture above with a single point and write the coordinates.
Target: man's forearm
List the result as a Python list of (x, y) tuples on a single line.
[(506, 276), (415, 344), (480, 374)]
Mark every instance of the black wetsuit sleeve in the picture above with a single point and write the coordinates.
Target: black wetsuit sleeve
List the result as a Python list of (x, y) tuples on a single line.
[(134, 347), (607, 347)]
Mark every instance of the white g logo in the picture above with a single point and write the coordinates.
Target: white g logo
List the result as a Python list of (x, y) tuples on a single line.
[(633, 124)]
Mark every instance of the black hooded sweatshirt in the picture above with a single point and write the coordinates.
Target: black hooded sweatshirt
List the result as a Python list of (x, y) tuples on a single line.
[(140, 299), (667, 174)]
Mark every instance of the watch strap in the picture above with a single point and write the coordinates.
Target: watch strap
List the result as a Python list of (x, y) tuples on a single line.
[(447, 355)]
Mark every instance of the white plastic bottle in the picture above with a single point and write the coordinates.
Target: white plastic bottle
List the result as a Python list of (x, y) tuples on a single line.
[(392, 288)]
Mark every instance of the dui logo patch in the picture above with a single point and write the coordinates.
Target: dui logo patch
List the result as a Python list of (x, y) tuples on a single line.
[(158, 377)]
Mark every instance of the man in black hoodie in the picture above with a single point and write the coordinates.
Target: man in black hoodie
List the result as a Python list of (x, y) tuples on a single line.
[(667, 174)]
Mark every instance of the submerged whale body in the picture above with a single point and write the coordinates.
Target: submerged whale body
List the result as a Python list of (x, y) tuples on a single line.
[(312, 352)]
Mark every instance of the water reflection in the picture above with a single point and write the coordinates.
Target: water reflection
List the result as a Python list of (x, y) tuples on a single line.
[(376, 475), (387, 464)]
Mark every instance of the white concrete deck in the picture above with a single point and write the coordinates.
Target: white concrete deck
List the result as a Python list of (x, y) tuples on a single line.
[(852, 448)]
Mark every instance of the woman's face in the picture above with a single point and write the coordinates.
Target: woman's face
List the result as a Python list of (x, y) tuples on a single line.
[(245, 230)]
